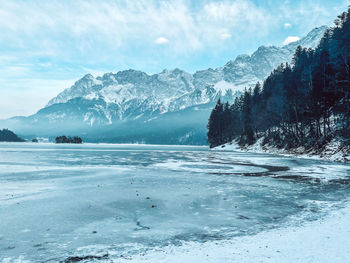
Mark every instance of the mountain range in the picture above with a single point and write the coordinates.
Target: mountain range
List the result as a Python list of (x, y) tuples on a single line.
[(171, 107)]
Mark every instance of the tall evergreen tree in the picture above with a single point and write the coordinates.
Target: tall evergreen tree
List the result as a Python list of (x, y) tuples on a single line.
[(215, 125)]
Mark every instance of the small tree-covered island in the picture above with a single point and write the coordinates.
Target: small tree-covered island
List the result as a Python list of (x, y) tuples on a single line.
[(9, 136), (304, 105), (65, 139)]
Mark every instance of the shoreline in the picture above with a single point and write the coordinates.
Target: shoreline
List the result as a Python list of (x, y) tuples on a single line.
[(108, 144), (331, 152)]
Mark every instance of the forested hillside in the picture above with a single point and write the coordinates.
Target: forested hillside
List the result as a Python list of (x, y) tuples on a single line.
[(9, 136), (303, 104)]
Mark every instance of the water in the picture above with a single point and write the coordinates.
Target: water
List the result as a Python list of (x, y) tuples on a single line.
[(74, 202)]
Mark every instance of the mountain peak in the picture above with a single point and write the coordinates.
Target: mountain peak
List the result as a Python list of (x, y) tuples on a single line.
[(311, 40), (317, 31), (88, 76)]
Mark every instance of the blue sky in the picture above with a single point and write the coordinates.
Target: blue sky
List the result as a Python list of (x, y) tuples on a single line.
[(46, 45)]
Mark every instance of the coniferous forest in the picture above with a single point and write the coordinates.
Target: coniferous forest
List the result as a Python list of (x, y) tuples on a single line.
[(303, 104)]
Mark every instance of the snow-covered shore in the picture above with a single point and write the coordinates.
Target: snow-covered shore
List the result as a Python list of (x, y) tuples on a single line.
[(332, 151), (325, 240)]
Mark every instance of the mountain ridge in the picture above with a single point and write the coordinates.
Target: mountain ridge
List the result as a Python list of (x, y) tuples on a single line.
[(222, 73), (115, 99)]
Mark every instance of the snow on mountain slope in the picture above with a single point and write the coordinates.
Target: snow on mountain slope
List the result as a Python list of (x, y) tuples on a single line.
[(132, 93), (223, 87)]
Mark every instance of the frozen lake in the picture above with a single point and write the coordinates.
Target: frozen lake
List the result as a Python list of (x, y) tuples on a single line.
[(70, 202)]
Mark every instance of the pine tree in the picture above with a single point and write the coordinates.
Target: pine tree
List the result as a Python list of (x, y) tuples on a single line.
[(215, 125), (247, 117)]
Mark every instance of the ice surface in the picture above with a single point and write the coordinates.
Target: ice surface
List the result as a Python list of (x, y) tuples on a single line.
[(156, 203)]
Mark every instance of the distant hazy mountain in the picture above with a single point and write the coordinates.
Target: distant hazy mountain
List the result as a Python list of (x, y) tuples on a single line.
[(168, 107)]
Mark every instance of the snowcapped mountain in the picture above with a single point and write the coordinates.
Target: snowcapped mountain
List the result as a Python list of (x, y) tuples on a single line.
[(113, 103)]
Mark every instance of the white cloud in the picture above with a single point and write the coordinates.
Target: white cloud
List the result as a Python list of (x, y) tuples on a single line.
[(117, 23), (161, 41), (290, 39), (287, 25), (225, 35), (57, 39), (242, 17), (63, 28)]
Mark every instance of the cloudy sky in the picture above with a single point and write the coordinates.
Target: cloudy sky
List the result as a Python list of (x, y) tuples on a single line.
[(46, 45)]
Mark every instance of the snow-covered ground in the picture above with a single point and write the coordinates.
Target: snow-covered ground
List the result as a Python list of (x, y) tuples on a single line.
[(332, 151), (324, 241)]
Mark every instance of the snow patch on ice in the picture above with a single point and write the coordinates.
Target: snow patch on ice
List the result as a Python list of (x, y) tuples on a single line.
[(200, 167)]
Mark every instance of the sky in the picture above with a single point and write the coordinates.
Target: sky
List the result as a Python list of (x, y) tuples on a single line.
[(45, 46)]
